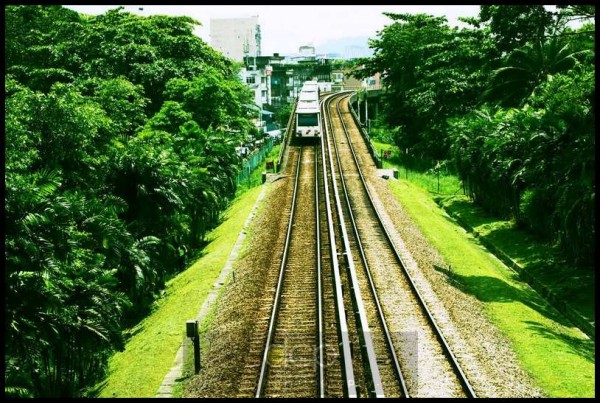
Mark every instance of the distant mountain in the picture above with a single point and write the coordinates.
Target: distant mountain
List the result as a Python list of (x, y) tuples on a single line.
[(348, 48)]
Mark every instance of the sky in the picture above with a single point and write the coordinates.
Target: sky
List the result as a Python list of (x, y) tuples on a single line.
[(285, 28)]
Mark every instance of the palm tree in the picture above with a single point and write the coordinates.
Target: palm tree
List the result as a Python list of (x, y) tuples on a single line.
[(62, 306), (526, 68)]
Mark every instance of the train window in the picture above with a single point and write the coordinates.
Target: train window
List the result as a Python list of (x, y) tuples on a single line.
[(308, 119)]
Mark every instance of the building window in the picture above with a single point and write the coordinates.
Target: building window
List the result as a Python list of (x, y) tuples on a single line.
[(264, 93), (250, 80), (263, 80)]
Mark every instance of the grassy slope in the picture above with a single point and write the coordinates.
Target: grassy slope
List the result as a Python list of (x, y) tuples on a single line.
[(539, 259), (543, 261), (558, 355), (149, 354)]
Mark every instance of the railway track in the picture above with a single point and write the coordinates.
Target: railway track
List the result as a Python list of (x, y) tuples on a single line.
[(336, 324), (414, 332), (288, 366), (300, 357), (384, 366)]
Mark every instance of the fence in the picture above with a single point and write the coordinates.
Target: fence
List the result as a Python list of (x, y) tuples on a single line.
[(254, 159), (289, 132), (365, 135)]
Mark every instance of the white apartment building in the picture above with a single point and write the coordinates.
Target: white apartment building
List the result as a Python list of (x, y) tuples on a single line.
[(259, 81), (236, 37)]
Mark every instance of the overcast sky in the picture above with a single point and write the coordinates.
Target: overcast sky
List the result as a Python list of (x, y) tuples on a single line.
[(285, 28)]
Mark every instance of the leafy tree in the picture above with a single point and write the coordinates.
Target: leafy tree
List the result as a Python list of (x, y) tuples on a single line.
[(56, 255), (213, 100), (567, 13), (122, 101), (536, 163), (110, 184), (562, 162), (62, 332), (282, 115), (431, 72), (514, 26), (400, 48), (43, 43)]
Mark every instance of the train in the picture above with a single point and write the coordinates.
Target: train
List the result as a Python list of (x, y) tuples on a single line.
[(308, 112)]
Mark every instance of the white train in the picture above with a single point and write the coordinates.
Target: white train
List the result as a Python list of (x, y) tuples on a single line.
[(308, 112)]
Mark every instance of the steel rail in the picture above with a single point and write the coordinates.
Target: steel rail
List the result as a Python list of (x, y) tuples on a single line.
[(263, 367), (320, 345), (345, 349)]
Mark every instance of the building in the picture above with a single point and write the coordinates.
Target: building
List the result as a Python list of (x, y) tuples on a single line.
[(307, 51), (373, 82), (236, 37), (276, 80), (343, 80), (257, 74)]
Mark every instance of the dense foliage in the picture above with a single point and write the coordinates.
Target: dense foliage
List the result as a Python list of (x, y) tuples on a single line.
[(120, 155), (509, 101)]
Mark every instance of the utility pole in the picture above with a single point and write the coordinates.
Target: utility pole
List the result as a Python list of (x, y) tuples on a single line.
[(367, 110)]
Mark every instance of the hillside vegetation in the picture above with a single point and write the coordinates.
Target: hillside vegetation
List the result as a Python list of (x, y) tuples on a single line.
[(120, 157)]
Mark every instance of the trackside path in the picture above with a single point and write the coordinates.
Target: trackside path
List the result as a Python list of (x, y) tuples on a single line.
[(166, 388)]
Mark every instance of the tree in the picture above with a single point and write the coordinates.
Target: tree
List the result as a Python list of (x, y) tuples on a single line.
[(282, 115), (562, 164), (214, 100), (514, 26), (528, 67), (431, 72), (536, 163), (110, 184), (122, 101)]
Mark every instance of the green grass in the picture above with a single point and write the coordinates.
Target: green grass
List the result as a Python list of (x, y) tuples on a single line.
[(558, 356), (149, 354), (438, 184), (508, 301), (539, 259)]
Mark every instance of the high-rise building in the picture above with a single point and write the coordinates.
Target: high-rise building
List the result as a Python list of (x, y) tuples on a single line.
[(236, 37)]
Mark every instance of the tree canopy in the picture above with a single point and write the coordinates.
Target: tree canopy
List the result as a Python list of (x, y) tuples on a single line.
[(120, 156)]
